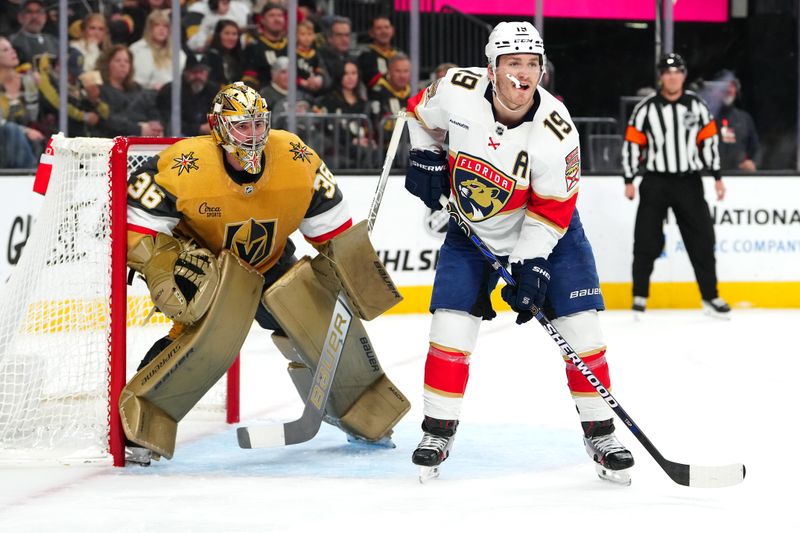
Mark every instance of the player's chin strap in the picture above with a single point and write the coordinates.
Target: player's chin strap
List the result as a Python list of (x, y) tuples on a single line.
[(500, 101)]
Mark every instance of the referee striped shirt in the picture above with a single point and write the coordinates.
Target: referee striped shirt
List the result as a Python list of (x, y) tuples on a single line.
[(670, 137)]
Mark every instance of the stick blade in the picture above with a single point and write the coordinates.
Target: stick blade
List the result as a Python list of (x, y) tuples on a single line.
[(712, 477), (271, 436)]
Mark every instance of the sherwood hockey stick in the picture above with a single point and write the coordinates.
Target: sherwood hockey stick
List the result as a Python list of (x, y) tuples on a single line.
[(688, 475), (307, 426)]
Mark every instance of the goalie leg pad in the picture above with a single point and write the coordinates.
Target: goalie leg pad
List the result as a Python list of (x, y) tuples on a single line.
[(363, 401), (161, 393), (348, 262)]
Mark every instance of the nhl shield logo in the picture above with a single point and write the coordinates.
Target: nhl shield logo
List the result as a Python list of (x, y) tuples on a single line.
[(252, 241), (481, 190)]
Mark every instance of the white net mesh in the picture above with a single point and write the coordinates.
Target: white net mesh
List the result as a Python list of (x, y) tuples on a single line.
[(55, 316)]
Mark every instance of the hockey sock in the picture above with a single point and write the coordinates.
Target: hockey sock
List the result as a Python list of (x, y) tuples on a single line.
[(577, 382), (446, 375)]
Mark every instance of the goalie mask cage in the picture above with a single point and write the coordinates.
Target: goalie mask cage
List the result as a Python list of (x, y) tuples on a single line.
[(68, 318)]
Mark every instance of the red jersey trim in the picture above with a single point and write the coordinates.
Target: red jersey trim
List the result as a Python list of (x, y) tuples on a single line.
[(141, 229), (556, 211), (414, 101), (319, 239), (374, 80), (518, 199)]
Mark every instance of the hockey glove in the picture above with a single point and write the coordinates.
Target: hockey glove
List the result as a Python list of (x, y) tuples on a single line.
[(532, 277), (181, 281), (427, 176)]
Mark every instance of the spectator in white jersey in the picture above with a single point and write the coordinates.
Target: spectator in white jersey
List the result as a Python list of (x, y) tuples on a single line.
[(671, 138)]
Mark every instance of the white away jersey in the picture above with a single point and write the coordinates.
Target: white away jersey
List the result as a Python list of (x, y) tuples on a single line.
[(515, 187)]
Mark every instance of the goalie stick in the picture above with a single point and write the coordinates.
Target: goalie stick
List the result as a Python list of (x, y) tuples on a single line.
[(683, 474), (307, 426)]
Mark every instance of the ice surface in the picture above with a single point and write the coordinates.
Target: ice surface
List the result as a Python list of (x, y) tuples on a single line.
[(705, 392)]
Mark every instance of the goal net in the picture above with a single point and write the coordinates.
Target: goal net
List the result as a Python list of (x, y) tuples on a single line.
[(71, 330)]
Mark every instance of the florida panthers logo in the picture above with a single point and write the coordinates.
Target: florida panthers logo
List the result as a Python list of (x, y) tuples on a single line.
[(481, 190), (252, 241)]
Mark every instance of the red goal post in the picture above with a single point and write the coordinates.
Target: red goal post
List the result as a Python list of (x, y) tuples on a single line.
[(68, 318)]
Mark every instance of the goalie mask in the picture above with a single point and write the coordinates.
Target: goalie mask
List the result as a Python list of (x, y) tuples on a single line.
[(239, 122), (514, 38)]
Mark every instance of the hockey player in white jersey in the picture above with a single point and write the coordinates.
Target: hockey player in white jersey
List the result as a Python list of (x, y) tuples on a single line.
[(513, 172)]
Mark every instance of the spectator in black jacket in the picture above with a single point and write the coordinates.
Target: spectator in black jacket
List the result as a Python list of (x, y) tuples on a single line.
[(374, 61), (271, 43), (739, 148), (197, 94), (337, 50), (30, 41), (225, 54), (125, 108), (352, 133)]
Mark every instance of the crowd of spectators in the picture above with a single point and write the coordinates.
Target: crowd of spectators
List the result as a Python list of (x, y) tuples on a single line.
[(120, 69)]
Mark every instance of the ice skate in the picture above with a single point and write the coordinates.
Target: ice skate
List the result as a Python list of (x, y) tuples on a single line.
[(137, 455), (717, 308), (639, 307), (434, 448), (613, 460)]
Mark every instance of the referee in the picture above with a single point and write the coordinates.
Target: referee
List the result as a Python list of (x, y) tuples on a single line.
[(671, 137)]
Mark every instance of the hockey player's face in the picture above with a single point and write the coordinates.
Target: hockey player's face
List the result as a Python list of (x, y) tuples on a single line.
[(522, 68), (248, 131)]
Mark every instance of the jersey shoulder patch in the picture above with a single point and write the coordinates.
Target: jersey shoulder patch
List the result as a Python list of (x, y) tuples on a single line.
[(290, 156), (186, 159)]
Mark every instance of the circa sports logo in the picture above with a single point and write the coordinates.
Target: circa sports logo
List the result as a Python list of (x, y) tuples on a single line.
[(481, 190), (252, 240), (209, 211)]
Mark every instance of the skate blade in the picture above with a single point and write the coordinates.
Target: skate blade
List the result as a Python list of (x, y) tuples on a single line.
[(619, 477), (427, 473), (638, 316)]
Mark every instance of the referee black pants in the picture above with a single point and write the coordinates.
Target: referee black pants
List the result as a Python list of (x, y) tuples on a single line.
[(684, 194)]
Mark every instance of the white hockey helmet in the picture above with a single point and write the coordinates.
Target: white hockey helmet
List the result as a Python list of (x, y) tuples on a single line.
[(514, 38)]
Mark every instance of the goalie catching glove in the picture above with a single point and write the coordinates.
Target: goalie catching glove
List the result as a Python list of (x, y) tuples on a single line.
[(532, 277), (181, 280)]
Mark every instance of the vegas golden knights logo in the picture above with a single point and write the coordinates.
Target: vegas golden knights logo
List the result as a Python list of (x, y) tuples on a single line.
[(252, 241)]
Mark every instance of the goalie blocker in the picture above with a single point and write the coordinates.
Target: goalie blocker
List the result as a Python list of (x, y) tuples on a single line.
[(363, 401)]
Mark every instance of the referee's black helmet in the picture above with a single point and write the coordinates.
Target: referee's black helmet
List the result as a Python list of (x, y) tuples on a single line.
[(672, 60)]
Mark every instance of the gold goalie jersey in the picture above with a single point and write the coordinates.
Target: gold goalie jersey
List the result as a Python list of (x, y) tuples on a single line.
[(191, 191)]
